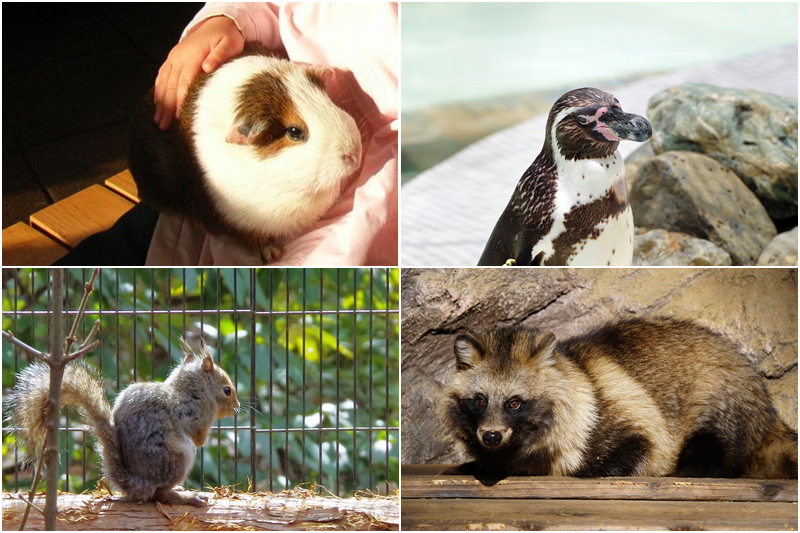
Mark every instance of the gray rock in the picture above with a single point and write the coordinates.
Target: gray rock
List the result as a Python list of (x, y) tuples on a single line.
[(635, 160), (781, 251), (696, 195), (752, 132), (659, 247)]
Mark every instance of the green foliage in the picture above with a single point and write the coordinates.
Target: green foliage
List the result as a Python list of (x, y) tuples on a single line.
[(314, 354)]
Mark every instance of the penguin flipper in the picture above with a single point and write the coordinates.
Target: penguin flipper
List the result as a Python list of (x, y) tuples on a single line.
[(509, 241)]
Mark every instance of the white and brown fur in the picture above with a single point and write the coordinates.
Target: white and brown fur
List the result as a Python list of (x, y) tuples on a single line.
[(571, 205), (634, 398), (259, 151)]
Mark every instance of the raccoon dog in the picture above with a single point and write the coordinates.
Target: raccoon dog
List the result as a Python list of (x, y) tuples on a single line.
[(635, 398)]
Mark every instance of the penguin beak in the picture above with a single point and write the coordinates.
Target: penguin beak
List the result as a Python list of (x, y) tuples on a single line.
[(616, 125)]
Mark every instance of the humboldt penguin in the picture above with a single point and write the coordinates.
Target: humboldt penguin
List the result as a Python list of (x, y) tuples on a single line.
[(571, 206)]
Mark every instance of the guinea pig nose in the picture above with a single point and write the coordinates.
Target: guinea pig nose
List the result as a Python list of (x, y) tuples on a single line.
[(492, 439)]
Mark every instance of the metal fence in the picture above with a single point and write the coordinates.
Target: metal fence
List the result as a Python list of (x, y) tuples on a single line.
[(313, 354)]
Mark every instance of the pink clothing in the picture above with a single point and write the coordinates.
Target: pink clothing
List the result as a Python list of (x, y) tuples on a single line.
[(361, 229)]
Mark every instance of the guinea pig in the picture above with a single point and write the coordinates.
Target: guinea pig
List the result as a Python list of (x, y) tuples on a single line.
[(259, 151)]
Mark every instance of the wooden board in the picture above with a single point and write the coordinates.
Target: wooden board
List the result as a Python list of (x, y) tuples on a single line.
[(499, 514), (437, 501), (124, 185), (80, 215), (288, 510), (24, 246), (423, 481)]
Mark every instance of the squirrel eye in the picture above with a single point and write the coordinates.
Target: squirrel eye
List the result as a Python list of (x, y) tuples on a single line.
[(295, 133), (227, 391)]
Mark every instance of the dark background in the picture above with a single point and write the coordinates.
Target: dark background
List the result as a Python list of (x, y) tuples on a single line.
[(72, 74)]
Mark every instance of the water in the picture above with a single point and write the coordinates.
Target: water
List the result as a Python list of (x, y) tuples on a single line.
[(460, 52)]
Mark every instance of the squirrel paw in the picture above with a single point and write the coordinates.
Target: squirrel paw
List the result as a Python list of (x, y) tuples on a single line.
[(170, 497)]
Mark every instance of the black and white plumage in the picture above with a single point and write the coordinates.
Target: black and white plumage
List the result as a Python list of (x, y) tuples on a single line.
[(571, 206)]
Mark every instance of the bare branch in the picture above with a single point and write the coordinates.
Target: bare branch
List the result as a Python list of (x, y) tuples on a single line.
[(90, 336), (53, 406), (81, 351), (34, 486), (87, 290), (57, 361), (30, 503), (7, 335)]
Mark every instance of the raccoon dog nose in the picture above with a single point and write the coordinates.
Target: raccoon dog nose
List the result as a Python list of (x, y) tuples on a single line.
[(492, 438)]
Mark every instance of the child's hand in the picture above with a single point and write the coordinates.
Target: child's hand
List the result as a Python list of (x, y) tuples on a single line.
[(208, 46)]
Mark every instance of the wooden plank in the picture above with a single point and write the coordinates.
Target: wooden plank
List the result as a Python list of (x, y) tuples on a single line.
[(288, 510), (431, 485), (435, 514), (124, 185), (80, 215), (24, 246)]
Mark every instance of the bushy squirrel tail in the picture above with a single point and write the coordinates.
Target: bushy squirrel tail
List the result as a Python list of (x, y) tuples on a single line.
[(81, 388)]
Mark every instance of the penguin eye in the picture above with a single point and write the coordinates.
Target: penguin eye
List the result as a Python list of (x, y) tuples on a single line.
[(582, 120)]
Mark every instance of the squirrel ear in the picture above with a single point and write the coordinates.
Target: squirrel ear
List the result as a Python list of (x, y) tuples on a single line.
[(188, 354), (208, 363)]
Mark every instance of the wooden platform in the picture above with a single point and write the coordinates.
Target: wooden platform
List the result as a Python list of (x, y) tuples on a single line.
[(288, 510), (57, 228), (433, 501)]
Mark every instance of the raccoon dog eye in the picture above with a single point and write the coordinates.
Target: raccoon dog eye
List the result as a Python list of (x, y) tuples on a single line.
[(480, 401), (514, 405)]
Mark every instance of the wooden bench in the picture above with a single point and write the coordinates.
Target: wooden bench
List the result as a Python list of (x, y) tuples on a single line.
[(56, 229), (434, 501)]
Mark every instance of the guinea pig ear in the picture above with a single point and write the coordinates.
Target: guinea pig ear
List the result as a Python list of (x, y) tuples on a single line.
[(320, 75), (244, 133)]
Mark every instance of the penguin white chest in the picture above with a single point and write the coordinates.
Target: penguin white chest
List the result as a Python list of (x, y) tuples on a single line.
[(592, 221), (613, 245)]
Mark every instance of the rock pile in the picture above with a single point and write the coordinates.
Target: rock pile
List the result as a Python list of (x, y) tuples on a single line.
[(723, 170)]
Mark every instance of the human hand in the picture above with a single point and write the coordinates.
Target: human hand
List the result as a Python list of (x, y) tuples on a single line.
[(209, 45)]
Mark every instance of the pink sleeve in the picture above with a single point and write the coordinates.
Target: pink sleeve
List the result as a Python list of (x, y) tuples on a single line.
[(258, 21)]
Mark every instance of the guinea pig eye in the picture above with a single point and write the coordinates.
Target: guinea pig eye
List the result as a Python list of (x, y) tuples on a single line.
[(226, 390), (295, 133)]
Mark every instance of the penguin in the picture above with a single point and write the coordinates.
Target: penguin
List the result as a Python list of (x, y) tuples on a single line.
[(571, 206)]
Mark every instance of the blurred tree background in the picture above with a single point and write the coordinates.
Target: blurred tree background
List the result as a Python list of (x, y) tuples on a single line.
[(313, 352)]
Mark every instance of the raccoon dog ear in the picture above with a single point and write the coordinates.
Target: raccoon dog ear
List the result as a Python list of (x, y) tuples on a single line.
[(467, 350), (545, 345)]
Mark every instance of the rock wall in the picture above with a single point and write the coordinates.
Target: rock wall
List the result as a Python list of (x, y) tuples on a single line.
[(756, 308)]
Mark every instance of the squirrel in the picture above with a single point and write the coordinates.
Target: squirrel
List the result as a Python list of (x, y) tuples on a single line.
[(148, 440)]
